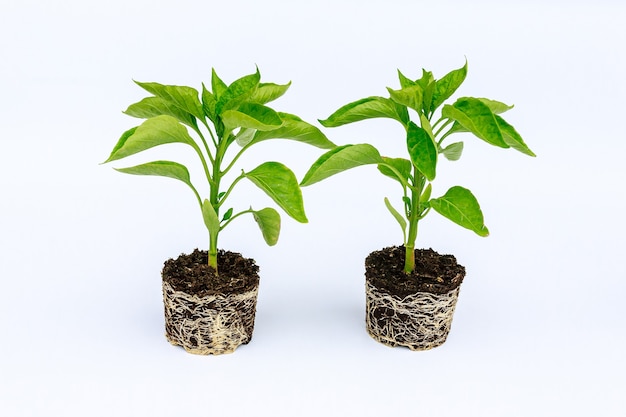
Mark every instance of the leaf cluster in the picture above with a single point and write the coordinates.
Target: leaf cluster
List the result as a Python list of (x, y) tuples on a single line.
[(226, 121), (421, 107)]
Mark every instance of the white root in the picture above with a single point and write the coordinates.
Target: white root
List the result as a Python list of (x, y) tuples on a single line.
[(214, 324), (420, 321)]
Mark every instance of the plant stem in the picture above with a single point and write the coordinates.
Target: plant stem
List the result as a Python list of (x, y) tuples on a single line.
[(214, 200), (213, 251), (414, 217)]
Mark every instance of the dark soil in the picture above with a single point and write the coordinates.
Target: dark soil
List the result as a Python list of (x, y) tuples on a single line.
[(192, 274), (434, 273)]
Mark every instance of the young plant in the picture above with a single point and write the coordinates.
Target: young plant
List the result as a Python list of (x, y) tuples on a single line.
[(234, 114), (426, 131)]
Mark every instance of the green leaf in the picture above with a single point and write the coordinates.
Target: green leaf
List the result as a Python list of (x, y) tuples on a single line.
[(453, 151), (426, 194), (267, 92), (404, 81), (296, 129), (475, 116), (409, 96), (160, 168), (185, 98), (281, 184), (512, 138), (367, 108), (426, 125), (403, 166), (217, 85), (456, 128), (156, 106), (447, 85), (251, 116), (245, 136), (341, 159), (423, 151), (428, 84), (399, 218), (496, 107), (208, 104), (460, 206), (153, 132), (121, 142), (210, 218), (268, 220), (238, 92), (426, 80), (228, 214)]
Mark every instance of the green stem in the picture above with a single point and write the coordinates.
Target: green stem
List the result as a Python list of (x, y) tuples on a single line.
[(448, 121), (241, 151), (230, 189), (204, 164), (414, 217), (213, 250), (214, 200)]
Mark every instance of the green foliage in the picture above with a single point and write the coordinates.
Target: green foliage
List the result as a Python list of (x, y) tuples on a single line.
[(435, 120), (220, 117)]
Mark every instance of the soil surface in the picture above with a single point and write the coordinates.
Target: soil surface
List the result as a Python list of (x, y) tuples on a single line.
[(192, 274), (434, 273)]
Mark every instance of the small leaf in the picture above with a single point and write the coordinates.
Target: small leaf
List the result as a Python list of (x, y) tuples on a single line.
[(427, 82), (296, 129), (153, 132), (496, 107), (185, 98), (251, 116), (447, 85), (238, 92), (407, 203), (426, 194), (160, 168), (411, 97), (512, 138), (281, 184), (423, 151), (425, 123), (245, 136), (208, 104), (460, 206), (217, 85), (453, 151), (228, 214), (156, 106), (476, 117), (367, 108), (399, 218), (456, 128), (341, 159), (210, 218), (267, 92), (403, 166), (268, 220), (404, 81)]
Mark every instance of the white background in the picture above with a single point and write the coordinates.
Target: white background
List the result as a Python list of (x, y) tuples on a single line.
[(539, 327)]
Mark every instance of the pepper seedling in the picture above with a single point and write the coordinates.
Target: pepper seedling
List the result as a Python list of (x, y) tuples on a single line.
[(433, 122), (230, 114)]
